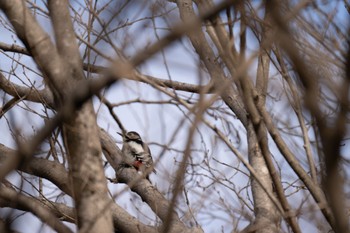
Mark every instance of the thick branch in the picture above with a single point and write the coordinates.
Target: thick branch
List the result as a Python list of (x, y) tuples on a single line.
[(260, 128), (66, 42)]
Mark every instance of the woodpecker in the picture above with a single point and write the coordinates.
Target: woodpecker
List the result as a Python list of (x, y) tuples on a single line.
[(137, 153)]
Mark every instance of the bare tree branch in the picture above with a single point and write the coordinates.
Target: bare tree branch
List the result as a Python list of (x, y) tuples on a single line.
[(245, 75), (32, 94), (34, 206), (141, 186)]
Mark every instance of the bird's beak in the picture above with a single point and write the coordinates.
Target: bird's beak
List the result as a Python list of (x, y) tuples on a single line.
[(120, 134)]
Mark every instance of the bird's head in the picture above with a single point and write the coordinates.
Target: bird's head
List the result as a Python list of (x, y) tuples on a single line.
[(131, 136)]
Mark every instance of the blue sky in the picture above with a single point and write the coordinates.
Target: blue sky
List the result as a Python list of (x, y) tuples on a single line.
[(157, 124)]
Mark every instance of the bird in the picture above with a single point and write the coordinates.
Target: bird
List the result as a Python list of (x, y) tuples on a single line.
[(137, 153)]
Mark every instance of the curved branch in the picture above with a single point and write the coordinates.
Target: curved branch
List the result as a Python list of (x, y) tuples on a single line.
[(57, 174), (50, 170), (142, 187), (180, 86), (39, 96), (18, 200), (148, 193)]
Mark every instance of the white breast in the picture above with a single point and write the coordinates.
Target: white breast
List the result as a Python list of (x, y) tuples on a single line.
[(136, 147)]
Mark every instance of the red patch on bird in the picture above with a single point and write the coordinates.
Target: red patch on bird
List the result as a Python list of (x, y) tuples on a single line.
[(137, 164)]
